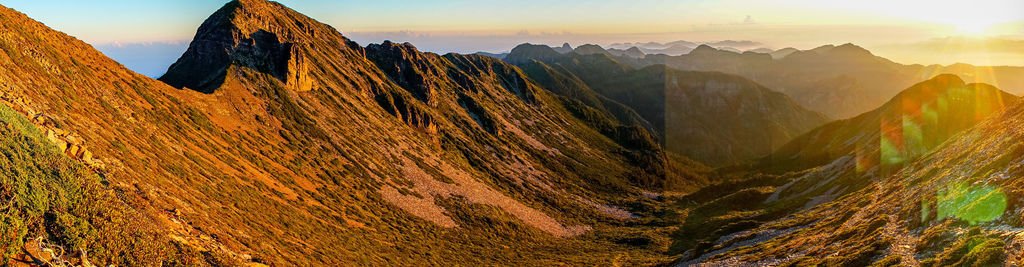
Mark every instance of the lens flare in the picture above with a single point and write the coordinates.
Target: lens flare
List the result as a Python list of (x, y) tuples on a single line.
[(973, 204), (927, 116)]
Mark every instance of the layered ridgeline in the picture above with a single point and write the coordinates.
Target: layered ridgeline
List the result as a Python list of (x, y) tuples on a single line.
[(835, 164), (287, 144), (839, 81), (711, 117), (956, 206)]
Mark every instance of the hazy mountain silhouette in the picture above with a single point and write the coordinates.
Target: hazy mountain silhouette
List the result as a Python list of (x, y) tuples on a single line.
[(710, 117), (839, 81)]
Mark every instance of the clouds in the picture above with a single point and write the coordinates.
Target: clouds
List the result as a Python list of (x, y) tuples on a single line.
[(949, 50), (148, 58), (995, 44)]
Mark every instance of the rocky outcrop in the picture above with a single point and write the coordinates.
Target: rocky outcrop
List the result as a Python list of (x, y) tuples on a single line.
[(412, 114), (565, 48), (406, 66), (67, 142), (230, 39), (510, 78), (481, 116)]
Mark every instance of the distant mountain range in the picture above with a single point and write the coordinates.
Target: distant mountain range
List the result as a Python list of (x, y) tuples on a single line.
[(656, 45), (715, 118), (838, 81)]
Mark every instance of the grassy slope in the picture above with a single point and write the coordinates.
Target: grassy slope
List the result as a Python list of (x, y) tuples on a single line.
[(47, 194)]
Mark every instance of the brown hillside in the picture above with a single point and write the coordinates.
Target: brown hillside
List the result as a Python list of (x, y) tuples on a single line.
[(293, 145)]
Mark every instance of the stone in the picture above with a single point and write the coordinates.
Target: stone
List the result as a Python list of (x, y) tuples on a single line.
[(74, 150)]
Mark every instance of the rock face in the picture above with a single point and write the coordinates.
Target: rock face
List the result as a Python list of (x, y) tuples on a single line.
[(237, 35), (403, 63)]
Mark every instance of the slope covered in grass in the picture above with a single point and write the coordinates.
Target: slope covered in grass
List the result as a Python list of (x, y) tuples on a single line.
[(46, 195)]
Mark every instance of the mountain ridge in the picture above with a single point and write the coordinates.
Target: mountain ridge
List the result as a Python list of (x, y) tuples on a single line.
[(256, 166)]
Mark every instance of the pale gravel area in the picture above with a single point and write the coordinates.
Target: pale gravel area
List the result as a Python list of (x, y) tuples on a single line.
[(466, 186)]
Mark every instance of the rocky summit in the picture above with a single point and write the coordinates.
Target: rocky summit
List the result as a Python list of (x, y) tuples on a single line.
[(276, 140)]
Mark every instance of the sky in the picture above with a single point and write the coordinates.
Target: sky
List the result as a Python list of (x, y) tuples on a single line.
[(896, 29)]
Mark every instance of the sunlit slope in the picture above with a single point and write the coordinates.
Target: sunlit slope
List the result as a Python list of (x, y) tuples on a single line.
[(956, 206), (838, 159), (908, 126), (51, 201)]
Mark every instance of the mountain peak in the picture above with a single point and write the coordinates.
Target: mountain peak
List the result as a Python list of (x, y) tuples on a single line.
[(260, 35), (702, 49), (254, 15), (254, 3), (524, 53), (850, 49), (590, 49), (406, 46), (948, 78), (823, 49)]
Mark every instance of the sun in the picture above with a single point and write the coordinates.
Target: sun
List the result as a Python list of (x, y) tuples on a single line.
[(973, 27)]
